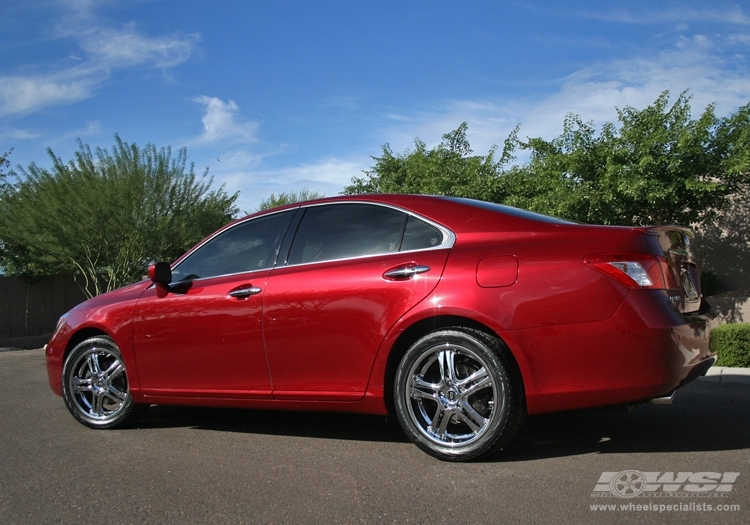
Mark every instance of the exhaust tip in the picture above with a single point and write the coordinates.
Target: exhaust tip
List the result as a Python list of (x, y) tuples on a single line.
[(664, 400)]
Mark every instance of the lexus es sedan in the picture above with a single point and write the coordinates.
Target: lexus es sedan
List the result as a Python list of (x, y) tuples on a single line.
[(460, 317)]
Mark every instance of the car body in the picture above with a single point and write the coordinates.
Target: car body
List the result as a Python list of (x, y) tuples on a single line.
[(458, 315)]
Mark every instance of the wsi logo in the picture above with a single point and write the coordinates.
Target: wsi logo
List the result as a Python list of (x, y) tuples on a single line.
[(633, 483)]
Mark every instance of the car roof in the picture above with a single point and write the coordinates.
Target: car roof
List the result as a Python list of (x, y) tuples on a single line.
[(458, 214)]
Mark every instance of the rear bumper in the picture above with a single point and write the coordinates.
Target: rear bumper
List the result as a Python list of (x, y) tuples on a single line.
[(698, 370), (646, 350)]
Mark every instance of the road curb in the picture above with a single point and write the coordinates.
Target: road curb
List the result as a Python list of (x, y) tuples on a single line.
[(725, 374)]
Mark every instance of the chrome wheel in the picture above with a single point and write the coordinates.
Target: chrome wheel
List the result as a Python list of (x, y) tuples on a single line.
[(457, 395), (452, 396), (95, 385)]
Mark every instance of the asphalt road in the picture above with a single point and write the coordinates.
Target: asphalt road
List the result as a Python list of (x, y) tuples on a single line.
[(187, 465)]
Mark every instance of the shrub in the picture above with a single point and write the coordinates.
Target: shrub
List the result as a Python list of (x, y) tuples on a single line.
[(732, 343)]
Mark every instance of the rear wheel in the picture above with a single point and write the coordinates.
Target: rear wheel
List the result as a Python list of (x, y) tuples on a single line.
[(95, 385), (457, 396)]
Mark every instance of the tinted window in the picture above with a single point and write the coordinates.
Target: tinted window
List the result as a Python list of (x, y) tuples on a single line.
[(509, 210), (251, 245), (346, 230), (420, 235)]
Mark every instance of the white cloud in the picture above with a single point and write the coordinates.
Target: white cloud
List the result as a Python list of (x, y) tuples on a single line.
[(19, 134), (593, 92), (25, 94), (92, 128), (327, 176), (330, 171), (104, 49), (221, 122), (119, 48), (733, 15)]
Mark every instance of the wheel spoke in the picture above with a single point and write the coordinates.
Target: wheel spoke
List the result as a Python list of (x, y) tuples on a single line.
[(93, 364), (97, 404), (116, 395), (471, 417), (444, 421), (476, 381), (439, 421), (419, 388), (114, 370), (82, 384), (447, 360), (442, 365)]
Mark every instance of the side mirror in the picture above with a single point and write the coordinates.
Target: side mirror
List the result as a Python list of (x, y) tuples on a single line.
[(160, 273)]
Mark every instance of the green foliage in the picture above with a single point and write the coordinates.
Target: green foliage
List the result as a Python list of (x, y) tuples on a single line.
[(288, 198), (4, 164), (105, 215), (732, 343), (656, 166), (448, 169)]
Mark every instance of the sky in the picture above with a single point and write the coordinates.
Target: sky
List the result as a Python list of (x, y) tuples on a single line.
[(275, 96)]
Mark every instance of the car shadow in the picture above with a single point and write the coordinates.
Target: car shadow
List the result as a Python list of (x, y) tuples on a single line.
[(316, 425), (703, 417)]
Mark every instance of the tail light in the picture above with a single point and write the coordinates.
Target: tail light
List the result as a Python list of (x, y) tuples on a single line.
[(635, 270)]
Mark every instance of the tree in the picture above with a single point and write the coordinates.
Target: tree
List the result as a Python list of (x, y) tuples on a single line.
[(655, 166), (658, 166), (4, 164), (105, 215), (448, 169), (288, 198)]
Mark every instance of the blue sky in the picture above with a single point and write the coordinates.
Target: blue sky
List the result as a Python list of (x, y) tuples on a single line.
[(278, 95)]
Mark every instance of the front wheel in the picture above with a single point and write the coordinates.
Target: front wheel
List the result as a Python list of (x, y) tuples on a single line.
[(457, 395), (95, 385)]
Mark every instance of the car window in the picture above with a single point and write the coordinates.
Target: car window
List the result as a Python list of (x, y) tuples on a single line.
[(251, 245), (420, 235), (346, 230)]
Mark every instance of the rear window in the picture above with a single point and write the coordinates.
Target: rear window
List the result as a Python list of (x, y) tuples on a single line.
[(509, 210), (420, 235)]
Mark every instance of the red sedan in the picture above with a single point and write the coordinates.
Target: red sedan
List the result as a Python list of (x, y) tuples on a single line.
[(459, 316)]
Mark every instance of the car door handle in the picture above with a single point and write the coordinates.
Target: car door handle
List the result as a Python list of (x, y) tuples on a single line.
[(245, 291), (406, 272)]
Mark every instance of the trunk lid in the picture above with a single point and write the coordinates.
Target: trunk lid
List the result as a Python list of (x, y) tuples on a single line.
[(673, 245)]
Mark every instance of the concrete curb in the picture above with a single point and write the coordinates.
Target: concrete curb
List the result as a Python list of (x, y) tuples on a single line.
[(725, 374)]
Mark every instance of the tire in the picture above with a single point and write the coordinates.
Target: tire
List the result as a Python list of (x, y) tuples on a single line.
[(457, 394), (95, 385)]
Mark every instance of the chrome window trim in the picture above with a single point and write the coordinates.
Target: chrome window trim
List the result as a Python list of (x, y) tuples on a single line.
[(449, 238)]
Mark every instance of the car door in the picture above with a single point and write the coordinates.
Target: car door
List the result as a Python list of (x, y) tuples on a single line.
[(203, 336), (352, 270)]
